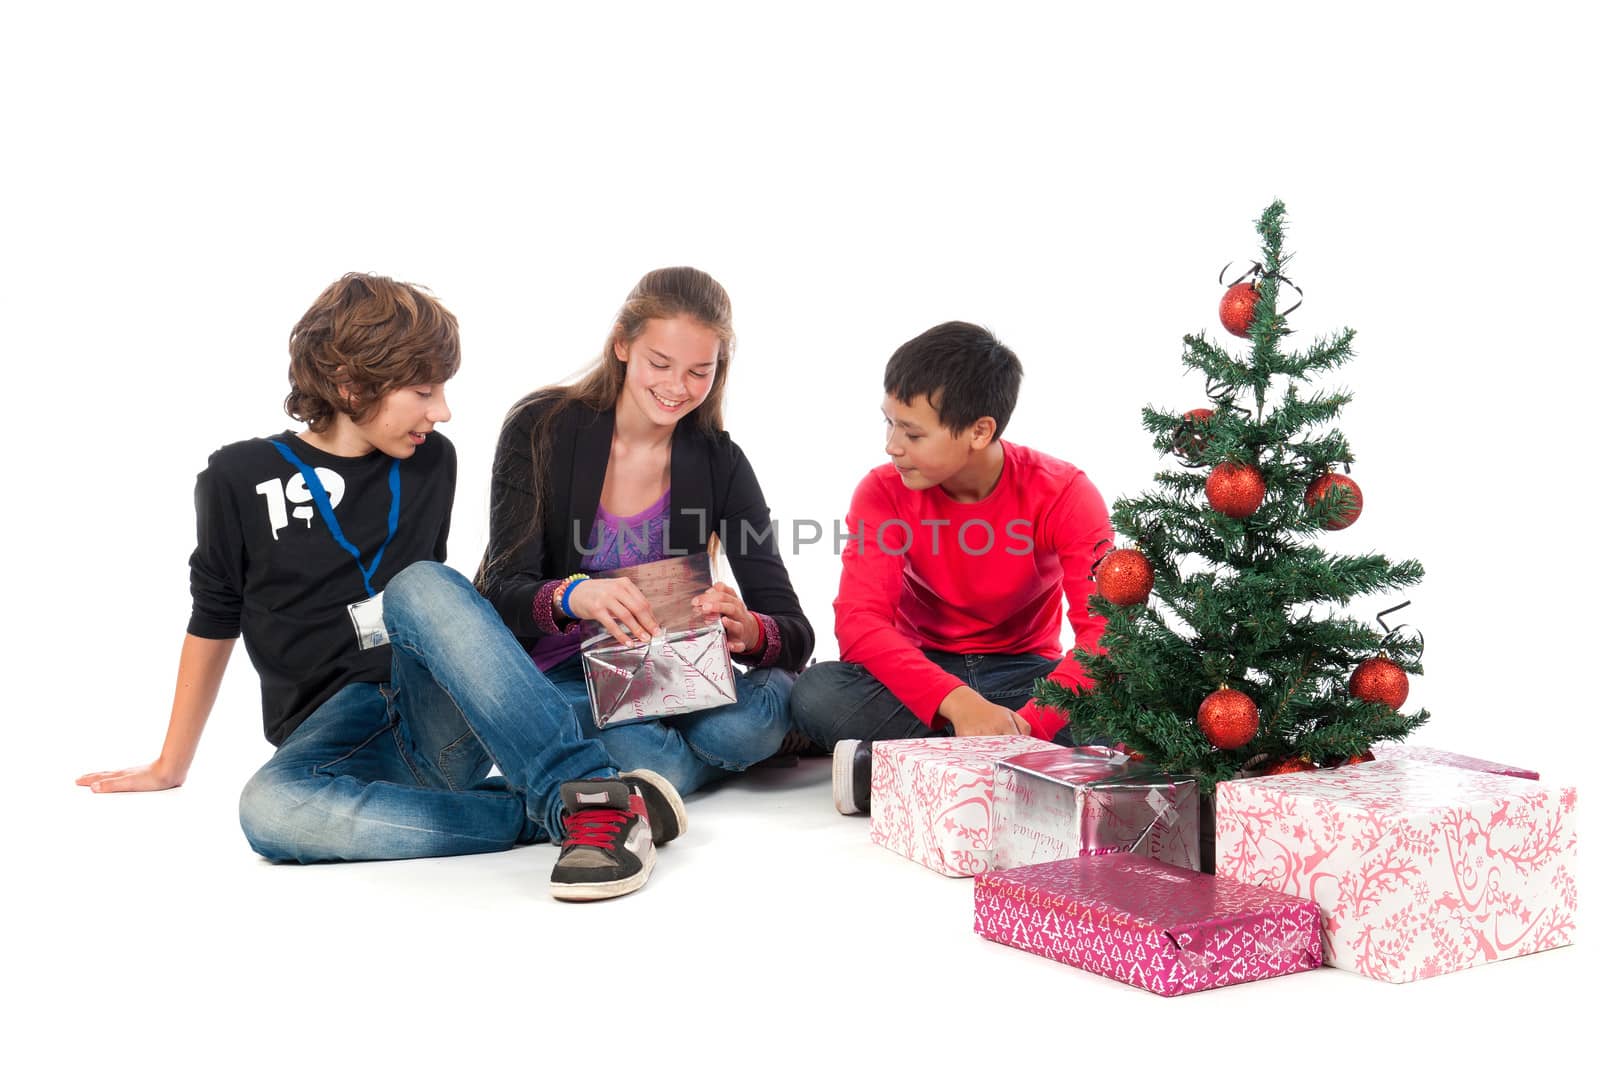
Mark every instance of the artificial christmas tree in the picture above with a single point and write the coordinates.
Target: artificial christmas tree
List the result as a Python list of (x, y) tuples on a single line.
[(1240, 658)]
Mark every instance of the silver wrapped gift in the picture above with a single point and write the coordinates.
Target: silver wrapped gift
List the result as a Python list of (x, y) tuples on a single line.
[(1076, 801), (684, 669)]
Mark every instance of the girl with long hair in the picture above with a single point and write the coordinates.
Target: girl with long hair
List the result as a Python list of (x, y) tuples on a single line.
[(630, 465)]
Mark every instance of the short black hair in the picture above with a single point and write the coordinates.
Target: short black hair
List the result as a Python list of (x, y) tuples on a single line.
[(965, 372)]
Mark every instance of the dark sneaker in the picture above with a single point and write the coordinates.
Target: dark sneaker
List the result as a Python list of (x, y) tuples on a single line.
[(662, 804), (795, 746), (607, 851), (852, 777), (800, 745)]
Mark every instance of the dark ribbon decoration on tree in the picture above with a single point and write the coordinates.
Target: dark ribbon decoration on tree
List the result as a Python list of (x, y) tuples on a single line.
[(1391, 634), (1220, 392), (1101, 557), (1190, 436), (1260, 272)]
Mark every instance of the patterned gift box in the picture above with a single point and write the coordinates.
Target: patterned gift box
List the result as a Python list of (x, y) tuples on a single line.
[(931, 797), (684, 669), (1418, 869), (1389, 752), (1167, 930), (1071, 801)]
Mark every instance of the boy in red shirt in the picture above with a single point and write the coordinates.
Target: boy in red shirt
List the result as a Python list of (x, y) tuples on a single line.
[(960, 550)]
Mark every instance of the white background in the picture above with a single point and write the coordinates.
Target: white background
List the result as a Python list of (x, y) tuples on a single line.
[(179, 183)]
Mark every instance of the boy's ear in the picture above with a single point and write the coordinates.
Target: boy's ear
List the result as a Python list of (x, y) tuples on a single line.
[(341, 381), (982, 432)]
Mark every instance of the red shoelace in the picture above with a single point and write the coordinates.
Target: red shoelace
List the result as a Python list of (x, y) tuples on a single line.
[(594, 828)]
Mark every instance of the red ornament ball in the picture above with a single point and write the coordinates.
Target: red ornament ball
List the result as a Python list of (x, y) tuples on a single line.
[(1297, 764), (1341, 519), (1379, 680), (1189, 441), (1238, 308), (1124, 576), (1357, 759), (1228, 719), (1235, 489)]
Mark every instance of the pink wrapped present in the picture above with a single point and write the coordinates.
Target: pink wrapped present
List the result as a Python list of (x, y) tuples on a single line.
[(1418, 869), (1167, 930), (931, 797), (1070, 801), (1388, 752)]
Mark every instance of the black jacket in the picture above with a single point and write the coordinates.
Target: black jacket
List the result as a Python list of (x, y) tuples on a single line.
[(713, 490)]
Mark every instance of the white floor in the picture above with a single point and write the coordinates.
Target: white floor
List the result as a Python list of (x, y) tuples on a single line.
[(773, 929), (185, 182)]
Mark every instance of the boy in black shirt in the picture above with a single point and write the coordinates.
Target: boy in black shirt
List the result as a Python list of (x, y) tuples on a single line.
[(388, 685)]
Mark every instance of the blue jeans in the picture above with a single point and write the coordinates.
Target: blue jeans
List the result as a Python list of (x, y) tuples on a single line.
[(400, 771), (691, 750), (836, 701)]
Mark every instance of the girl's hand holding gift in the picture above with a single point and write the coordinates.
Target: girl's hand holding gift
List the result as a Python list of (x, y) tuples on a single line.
[(744, 631), (616, 604)]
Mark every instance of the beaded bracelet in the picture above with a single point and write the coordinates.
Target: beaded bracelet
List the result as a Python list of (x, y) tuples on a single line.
[(566, 591)]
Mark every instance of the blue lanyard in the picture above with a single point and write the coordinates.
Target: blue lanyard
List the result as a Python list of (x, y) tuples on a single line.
[(319, 496)]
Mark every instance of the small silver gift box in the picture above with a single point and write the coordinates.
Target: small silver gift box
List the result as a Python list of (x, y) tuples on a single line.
[(1076, 801), (684, 669)]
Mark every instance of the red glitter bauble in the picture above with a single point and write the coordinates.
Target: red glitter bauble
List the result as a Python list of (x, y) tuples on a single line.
[(1289, 765), (1125, 577), (1379, 680), (1235, 489), (1238, 308), (1341, 519), (1357, 759), (1228, 719), (1189, 441)]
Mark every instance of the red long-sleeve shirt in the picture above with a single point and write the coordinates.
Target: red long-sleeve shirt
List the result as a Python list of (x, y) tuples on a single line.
[(924, 571)]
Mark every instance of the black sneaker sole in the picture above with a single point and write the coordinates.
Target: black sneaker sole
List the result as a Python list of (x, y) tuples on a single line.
[(662, 804)]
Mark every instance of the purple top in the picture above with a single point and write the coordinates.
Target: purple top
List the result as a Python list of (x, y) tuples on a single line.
[(619, 541)]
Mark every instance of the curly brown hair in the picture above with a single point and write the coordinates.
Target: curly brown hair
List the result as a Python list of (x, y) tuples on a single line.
[(364, 337)]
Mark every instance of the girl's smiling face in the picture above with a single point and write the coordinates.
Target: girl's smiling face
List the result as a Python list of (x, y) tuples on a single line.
[(671, 366)]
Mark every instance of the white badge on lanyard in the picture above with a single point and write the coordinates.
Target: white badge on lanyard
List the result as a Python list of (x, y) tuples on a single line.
[(366, 615)]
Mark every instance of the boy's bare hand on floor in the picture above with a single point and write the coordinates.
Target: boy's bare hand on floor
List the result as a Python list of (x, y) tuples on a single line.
[(152, 777)]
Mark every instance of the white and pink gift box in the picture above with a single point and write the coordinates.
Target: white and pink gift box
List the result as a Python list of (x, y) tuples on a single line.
[(1168, 930), (1418, 869), (1389, 752), (932, 799)]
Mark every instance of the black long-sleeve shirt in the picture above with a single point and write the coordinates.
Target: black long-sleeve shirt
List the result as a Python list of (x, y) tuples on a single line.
[(265, 564), (713, 490)]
